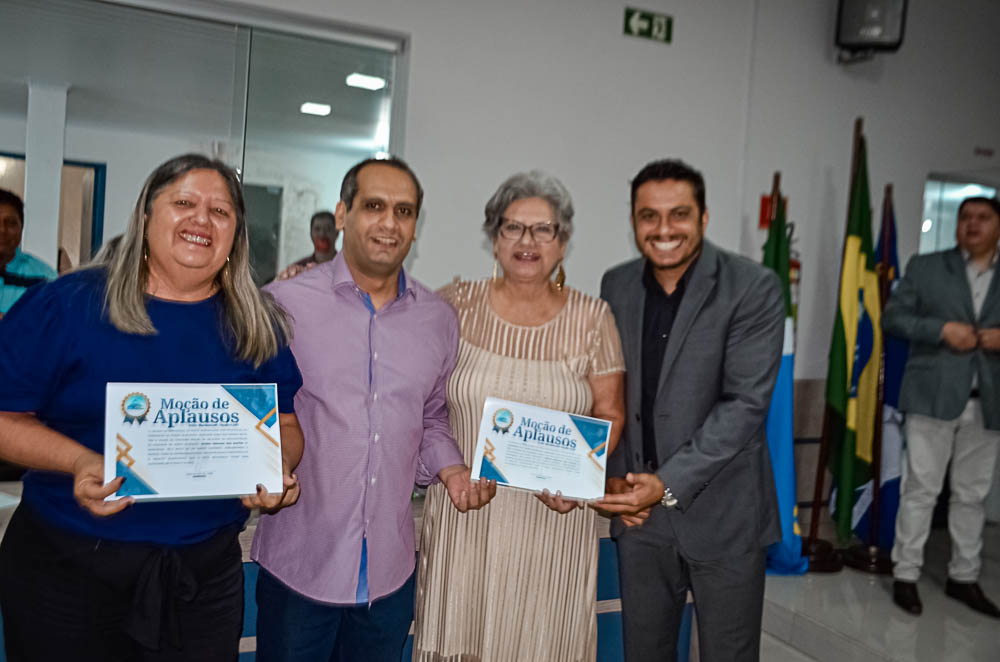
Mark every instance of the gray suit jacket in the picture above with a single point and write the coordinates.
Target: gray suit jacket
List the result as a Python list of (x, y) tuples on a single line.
[(719, 369), (937, 380)]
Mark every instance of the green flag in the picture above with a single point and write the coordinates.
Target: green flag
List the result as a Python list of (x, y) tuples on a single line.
[(852, 379), (777, 252)]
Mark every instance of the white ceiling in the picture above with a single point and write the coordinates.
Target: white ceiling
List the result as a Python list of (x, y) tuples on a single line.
[(146, 71)]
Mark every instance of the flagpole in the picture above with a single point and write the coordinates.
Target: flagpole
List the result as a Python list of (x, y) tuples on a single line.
[(870, 558), (822, 556)]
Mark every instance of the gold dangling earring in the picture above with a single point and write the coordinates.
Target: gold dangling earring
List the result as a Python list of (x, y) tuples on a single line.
[(560, 277), (494, 270)]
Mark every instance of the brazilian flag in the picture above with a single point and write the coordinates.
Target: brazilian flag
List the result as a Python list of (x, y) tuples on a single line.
[(785, 556), (852, 379)]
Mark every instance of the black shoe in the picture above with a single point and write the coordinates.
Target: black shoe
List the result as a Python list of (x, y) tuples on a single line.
[(905, 595), (973, 596)]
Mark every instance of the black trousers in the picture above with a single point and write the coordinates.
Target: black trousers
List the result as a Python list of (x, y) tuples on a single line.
[(655, 576), (70, 597)]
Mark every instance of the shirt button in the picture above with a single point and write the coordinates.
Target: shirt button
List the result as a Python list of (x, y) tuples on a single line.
[(376, 437), (375, 356), (373, 480), (375, 397)]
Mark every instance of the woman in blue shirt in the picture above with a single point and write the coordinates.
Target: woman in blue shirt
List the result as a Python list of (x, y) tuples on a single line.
[(174, 302)]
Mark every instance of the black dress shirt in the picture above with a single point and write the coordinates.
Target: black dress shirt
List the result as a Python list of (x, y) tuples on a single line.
[(657, 320)]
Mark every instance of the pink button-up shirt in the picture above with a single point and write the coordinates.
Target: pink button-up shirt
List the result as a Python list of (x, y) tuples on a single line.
[(373, 412)]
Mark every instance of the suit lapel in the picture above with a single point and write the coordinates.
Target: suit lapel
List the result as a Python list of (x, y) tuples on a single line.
[(956, 265), (634, 305), (989, 304), (702, 283)]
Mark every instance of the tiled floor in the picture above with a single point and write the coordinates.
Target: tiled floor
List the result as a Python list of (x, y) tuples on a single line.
[(851, 616), (773, 649)]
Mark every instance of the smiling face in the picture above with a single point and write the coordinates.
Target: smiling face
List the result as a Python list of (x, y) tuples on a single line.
[(10, 233), (528, 260), (380, 225), (189, 232), (669, 226), (978, 229)]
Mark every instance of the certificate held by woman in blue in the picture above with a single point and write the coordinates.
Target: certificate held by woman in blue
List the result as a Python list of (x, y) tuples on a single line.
[(536, 448), (192, 441)]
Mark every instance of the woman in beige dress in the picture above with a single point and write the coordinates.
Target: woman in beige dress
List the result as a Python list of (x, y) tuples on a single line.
[(517, 580)]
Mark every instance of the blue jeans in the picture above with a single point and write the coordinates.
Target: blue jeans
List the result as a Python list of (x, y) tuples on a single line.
[(294, 628)]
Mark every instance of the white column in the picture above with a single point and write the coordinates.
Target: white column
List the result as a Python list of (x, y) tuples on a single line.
[(43, 154)]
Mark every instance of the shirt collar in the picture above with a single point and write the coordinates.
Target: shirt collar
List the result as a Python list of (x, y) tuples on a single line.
[(342, 276), (13, 261), (966, 256)]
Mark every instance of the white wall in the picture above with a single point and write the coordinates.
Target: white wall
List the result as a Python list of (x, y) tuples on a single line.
[(745, 88), (498, 87), (925, 108)]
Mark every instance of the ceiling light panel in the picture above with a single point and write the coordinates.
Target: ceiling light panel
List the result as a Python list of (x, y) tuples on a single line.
[(365, 82), (311, 108)]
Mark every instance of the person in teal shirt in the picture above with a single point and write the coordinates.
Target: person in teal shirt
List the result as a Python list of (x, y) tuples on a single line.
[(18, 270)]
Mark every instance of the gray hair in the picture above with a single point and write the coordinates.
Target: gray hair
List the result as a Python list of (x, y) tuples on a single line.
[(252, 320), (532, 184)]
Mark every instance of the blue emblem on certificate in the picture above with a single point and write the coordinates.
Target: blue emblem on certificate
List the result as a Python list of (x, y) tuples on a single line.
[(536, 448), (135, 406), (502, 420), (192, 441)]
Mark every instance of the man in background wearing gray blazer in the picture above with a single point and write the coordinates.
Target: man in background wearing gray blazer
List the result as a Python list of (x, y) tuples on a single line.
[(690, 481), (948, 307)]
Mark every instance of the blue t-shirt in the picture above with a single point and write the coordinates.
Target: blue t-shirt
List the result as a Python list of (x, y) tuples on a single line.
[(57, 353)]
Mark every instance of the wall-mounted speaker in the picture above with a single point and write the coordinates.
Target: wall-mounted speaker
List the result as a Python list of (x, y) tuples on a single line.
[(870, 25)]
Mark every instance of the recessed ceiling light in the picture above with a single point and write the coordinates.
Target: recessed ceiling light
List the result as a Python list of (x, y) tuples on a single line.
[(927, 225), (310, 108), (365, 82)]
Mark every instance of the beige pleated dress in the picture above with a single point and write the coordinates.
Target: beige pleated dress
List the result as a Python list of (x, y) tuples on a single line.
[(515, 580)]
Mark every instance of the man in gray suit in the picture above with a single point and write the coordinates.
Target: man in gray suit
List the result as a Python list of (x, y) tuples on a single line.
[(691, 479), (948, 307)]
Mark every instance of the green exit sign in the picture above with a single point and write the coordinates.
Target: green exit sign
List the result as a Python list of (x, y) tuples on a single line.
[(648, 25)]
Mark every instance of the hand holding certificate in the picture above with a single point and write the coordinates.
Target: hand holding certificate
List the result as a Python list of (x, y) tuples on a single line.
[(194, 441), (541, 449)]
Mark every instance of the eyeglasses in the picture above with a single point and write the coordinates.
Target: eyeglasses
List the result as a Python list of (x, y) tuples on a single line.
[(543, 233)]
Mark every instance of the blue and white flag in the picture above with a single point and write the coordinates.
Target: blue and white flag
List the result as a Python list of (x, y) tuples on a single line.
[(896, 353), (785, 556)]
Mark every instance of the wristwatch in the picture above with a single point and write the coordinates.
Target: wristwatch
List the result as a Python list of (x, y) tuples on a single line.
[(668, 500)]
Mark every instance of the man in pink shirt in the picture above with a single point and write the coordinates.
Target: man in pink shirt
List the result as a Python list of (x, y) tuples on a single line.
[(376, 349)]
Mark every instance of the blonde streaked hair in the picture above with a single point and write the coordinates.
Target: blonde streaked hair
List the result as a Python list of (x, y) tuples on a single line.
[(256, 324)]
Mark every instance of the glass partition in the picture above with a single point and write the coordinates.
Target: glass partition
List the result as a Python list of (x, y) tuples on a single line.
[(314, 108), (941, 201), (293, 113)]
